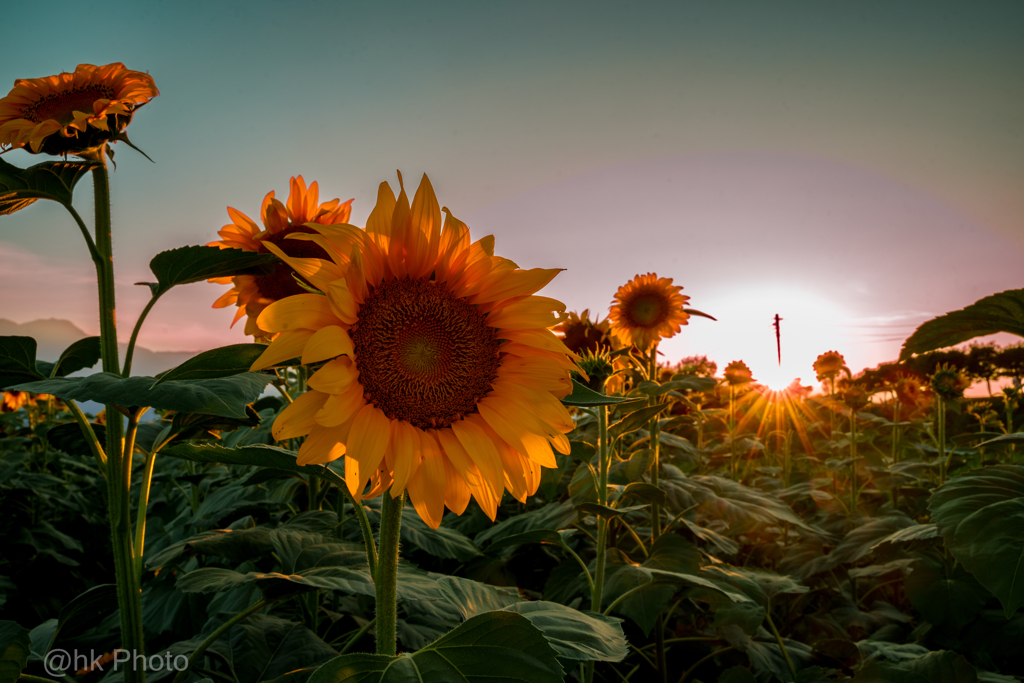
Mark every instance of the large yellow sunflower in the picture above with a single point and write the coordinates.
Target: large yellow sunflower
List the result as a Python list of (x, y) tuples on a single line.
[(441, 374), (253, 293), (646, 310), (86, 108)]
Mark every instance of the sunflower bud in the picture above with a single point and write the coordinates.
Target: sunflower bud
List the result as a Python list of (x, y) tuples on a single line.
[(949, 383), (598, 367), (737, 373)]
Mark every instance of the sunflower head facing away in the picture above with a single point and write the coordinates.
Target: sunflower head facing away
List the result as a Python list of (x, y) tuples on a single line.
[(828, 365), (73, 112), (737, 373), (646, 310), (438, 373), (252, 293), (948, 382), (581, 335)]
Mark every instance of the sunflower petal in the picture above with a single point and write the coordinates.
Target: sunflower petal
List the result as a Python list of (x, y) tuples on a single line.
[(321, 447), (406, 452), (297, 418), (335, 376), (301, 311), (327, 342), (531, 312), (286, 346), (369, 439), (427, 487)]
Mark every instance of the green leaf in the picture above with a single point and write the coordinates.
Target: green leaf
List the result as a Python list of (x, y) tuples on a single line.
[(687, 383), (737, 674), (194, 263), (747, 615), (1003, 312), (645, 492), (15, 646), (542, 536), (918, 532), (981, 518), (53, 180), (263, 647), (471, 598), (942, 666), (1015, 437), (68, 437), (225, 361), (226, 397), (441, 542), (87, 609), (258, 455), (606, 512), (82, 354), (551, 516), (635, 420), (945, 595), (585, 397), (582, 636), (468, 654), (17, 361)]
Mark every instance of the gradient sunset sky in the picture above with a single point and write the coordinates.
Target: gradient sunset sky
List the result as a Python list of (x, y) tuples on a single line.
[(856, 168)]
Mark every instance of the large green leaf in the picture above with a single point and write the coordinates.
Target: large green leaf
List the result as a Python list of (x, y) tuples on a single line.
[(15, 646), (944, 594), (585, 397), (17, 361), (573, 634), (477, 651), (981, 518), (194, 263), (942, 666), (226, 396), (263, 647), (635, 420), (1003, 312), (224, 361), (82, 354), (441, 542), (53, 180), (551, 516)]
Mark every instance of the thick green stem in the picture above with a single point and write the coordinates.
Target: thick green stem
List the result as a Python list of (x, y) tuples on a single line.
[(940, 428), (652, 374), (119, 458), (853, 461), (386, 577), (597, 593)]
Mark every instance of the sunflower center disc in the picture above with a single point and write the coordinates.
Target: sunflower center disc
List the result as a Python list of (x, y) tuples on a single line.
[(424, 356), (61, 106), (647, 310), (280, 283)]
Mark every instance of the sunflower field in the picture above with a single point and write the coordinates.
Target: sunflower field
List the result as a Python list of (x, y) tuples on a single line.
[(422, 470)]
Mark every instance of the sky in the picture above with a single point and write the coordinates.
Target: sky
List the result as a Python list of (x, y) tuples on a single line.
[(853, 167)]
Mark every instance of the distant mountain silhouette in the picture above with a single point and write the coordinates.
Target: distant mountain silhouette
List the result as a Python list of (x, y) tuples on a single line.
[(53, 335)]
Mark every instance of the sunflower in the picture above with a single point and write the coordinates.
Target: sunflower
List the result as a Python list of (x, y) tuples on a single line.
[(828, 365), (252, 293), (13, 401), (646, 310), (440, 375), (581, 335), (949, 382), (737, 373), (87, 108)]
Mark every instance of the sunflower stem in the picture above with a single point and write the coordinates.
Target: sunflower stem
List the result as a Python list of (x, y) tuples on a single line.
[(940, 428), (652, 375), (386, 577), (119, 459), (135, 335)]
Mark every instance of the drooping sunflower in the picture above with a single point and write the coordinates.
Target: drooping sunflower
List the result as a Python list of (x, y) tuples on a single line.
[(646, 310), (737, 373), (828, 365), (441, 374), (252, 293), (581, 334), (73, 112)]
